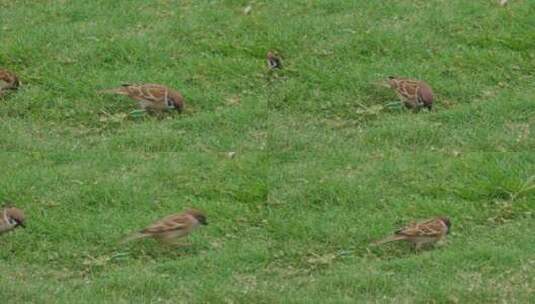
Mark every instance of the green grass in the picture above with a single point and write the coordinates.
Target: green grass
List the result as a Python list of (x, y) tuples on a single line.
[(323, 167)]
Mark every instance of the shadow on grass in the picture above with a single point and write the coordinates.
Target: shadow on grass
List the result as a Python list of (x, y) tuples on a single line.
[(400, 250)]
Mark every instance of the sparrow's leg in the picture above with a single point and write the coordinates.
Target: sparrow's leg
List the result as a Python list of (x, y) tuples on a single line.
[(408, 104), (417, 246), (143, 105)]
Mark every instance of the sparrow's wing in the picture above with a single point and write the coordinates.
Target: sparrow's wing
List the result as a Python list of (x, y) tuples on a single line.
[(408, 88), (169, 223), (431, 227), (149, 92), (434, 228), (8, 80), (131, 90), (153, 92)]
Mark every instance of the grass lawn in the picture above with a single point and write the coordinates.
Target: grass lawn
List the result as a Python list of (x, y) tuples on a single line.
[(323, 166)]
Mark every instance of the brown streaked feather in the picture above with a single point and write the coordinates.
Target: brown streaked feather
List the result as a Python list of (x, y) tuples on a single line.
[(169, 223), (414, 93), (171, 227), (151, 96), (427, 228), (419, 233), (8, 81), (152, 92)]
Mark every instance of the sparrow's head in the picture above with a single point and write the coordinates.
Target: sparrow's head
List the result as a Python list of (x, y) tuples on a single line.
[(176, 102), (273, 60), (16, 82), (15, 216), (446, 222), (425, 95), (198, 215), (392, 81)]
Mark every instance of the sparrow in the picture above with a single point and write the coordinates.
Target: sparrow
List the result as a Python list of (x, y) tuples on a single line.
[(151, 96), (8, 80), (420, 233), (171, 227), (10, 219), (415, 94), (273, 61)]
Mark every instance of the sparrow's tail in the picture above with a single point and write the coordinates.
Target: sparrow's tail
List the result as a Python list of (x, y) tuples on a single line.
[(389, 239), (120, 91), (133, 236), (381, 83)]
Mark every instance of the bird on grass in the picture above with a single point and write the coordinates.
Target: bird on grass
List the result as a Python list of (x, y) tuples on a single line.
[(151, 97), (171, 228), (273, 61), (415, 94), (421, 233), (8, 81), (11, 218)]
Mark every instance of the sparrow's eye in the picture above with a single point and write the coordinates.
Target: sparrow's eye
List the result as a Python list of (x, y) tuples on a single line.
[(203, 221), (170, 103), (12, 221)]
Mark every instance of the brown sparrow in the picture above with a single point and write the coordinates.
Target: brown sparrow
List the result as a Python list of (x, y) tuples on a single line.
[(172, 227), (415, 94), (151, 96), (420, 233), (10, 219), (273, 61), (8, 80)]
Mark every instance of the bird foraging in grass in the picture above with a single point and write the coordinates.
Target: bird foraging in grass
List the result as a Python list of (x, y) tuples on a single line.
[(151, 97), (415, 94), (420, 233), (273, 61), (171, 228), (8, 81), (11, 218)]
